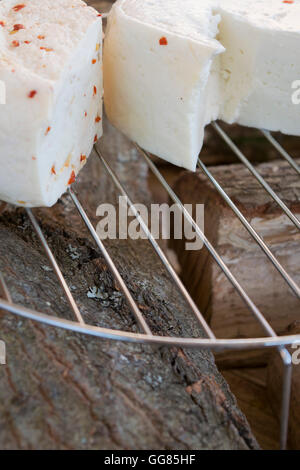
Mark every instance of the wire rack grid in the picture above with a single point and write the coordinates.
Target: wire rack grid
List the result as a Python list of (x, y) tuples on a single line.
[(270, 340)]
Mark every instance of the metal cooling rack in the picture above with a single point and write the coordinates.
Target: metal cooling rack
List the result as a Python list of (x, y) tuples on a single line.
[(271, 339)]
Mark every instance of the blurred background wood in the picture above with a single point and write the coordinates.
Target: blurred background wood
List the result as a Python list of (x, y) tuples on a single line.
[(215, 296)]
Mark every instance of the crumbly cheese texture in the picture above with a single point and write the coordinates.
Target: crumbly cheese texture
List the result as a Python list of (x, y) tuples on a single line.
[(51, 67), (171, 67)]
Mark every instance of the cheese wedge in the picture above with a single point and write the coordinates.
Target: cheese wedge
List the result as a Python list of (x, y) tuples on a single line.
[(158, 58), (261, 63), (171, 67), (50, 65)]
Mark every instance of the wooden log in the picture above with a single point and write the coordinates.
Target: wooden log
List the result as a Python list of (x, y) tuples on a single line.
[(242, 359), (63, 390), (274, 384), (103, 6), (250, 388), (217, 299)]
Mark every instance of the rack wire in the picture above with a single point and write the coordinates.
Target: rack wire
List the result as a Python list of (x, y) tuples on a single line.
[(270, 340)]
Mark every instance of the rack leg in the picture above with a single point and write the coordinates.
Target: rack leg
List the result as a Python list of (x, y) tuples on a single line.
[(286, 397)]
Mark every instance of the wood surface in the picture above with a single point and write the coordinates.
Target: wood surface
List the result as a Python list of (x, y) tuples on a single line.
[(215, 296), (61, 390), (250, 388)]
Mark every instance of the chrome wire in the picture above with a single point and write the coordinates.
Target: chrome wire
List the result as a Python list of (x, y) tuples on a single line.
[(117, 335), (157, 248), (292, 284), (255, 173), (4, 292), (212, 343), (253, 308), (281, 150), (285, 355), (136, 311), (55, 266)]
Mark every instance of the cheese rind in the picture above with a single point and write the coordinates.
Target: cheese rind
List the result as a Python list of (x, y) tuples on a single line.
[(52, 112), (229, 59)]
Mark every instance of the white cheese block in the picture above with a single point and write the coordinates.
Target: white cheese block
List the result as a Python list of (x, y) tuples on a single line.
[(158, 57), (229, 59), (261, 62), (50, 63)]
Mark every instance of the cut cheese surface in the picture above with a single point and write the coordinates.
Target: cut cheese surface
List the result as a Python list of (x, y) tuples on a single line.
[(260, 64), (156, 75), (171, 67), (51, 65)]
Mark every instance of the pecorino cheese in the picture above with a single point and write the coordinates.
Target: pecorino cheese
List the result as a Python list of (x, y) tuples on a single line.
[(158, 58), (261, 63), (51, 67), (171, 67)]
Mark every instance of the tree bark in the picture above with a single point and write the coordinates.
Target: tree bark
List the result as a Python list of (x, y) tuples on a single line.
[(61, 390)]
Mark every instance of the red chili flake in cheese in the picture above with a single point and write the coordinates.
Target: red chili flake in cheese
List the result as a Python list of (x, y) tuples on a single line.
[(288, 1), (94, 61), (98, 119), (32, 94), (19, 7), (95, 138), (2, 23), (85, 114), (41, 37), (82, 158), (27, 42), (47, 49), (95, 90), (15, 43), (48, 130), (163, 41), (53, 171), (72, 178), (99, 14), (17, 27)]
